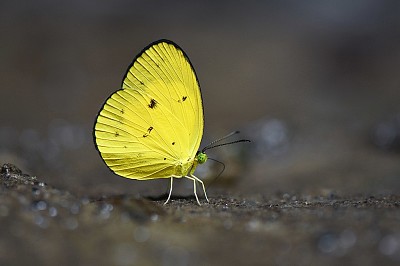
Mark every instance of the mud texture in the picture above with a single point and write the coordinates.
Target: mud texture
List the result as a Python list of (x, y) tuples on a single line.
[(44, 225)]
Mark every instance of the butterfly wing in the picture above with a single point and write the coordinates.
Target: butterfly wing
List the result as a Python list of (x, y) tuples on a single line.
[(153, 126)]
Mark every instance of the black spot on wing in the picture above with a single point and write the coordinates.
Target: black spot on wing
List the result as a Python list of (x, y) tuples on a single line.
[(183, 99), (148, 132), (152, 104)]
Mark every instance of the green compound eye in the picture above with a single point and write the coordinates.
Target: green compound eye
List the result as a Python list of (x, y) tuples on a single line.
[(201, 157)]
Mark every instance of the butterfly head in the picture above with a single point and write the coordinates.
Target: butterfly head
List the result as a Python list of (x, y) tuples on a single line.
[(201, 157)]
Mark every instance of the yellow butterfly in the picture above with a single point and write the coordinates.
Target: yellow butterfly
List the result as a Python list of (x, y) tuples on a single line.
[(153, 126)]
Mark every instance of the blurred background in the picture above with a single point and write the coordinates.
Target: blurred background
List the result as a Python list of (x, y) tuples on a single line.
[(314, 85)]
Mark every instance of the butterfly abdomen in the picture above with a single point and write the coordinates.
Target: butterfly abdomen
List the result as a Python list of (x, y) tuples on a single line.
[(184, 168)]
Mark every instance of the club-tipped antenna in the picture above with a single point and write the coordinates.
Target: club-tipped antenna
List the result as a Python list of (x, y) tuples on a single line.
[(211, 145)]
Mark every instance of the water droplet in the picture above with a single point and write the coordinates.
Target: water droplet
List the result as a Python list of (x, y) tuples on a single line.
[(40, 205), (105, 210), (53, 211), (154, 217)]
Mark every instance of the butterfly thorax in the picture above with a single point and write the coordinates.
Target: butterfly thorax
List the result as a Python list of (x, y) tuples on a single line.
[(188, 167)]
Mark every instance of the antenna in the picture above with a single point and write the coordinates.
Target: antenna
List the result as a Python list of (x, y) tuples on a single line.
[(211, 145)]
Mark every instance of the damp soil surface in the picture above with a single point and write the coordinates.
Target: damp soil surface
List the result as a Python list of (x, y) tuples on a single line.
[(44, 225)]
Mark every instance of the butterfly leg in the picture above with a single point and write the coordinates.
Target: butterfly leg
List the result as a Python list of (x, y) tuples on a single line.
[(194, 187), (170, 191), (201, 182)]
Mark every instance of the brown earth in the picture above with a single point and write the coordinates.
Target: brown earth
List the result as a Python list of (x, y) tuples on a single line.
[(43, 225)]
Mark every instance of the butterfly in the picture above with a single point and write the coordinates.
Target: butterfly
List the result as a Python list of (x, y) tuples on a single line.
[(152, 127)]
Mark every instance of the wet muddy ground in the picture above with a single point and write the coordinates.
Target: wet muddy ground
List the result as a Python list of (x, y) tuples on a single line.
[(43, 225)]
